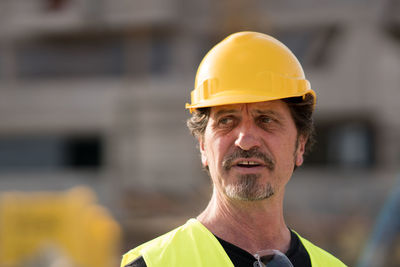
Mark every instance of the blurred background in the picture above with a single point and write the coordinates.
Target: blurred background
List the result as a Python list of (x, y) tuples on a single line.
[(95, 157)]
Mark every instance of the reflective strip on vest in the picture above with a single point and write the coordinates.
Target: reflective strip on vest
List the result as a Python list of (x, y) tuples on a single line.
[(192, 244)]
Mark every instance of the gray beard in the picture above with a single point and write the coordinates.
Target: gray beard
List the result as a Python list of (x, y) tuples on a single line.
[(247, 189)]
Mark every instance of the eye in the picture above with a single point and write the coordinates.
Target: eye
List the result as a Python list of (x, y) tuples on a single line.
[(265, 120), (225, 121)]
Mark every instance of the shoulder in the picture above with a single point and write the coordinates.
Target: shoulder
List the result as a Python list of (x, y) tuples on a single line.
[(162, 242), (137, 252), (318, 256)]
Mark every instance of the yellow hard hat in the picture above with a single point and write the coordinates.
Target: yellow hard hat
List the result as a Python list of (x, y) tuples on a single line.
[(248, 67)]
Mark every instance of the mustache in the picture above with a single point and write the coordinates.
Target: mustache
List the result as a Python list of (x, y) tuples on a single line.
[(252, 153)]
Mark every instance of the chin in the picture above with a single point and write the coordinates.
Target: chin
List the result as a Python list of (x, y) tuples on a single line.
[(249, 190)]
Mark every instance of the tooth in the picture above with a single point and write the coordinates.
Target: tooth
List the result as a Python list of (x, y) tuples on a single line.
[(248, 163)]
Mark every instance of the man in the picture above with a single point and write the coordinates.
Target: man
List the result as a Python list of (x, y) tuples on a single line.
[(252, 115)]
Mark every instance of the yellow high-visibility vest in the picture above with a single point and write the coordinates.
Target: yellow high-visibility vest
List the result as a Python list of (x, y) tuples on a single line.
[(192, 244)]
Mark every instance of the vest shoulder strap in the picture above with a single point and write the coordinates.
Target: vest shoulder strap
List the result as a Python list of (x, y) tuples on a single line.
[(318, 256), (191, 244)]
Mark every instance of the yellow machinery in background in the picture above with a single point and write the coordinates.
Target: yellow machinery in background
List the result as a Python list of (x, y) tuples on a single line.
[(57, 229)]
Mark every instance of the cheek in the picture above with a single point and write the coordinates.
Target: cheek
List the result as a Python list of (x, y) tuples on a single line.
[(284, 150), (216, 150), (212, 152)]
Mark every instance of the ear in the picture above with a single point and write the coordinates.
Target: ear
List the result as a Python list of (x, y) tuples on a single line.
[(203, 152), (301, 145)]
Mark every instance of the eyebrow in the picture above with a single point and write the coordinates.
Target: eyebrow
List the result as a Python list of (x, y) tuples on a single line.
[(268, 112), (226, 111), (265, 111)]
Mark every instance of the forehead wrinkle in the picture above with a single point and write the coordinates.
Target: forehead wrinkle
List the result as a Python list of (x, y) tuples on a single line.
[(250, 108)]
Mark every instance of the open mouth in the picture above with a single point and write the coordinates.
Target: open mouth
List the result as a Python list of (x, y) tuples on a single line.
[(250, 160), (248, 164)]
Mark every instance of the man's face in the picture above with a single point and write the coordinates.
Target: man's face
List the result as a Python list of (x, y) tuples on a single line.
[(251, 149)]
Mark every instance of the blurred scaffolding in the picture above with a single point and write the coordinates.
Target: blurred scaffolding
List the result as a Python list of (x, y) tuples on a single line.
[(93, 93)]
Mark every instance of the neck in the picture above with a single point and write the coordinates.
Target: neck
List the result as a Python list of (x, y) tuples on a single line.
[(250, 225)]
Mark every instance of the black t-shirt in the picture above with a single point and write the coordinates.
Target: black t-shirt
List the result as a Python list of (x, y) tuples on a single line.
[(297, 254)]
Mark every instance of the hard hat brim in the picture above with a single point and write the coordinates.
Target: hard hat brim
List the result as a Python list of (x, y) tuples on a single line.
[(229, 99)]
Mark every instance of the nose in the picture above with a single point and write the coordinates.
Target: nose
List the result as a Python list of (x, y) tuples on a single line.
[(247, 136)]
